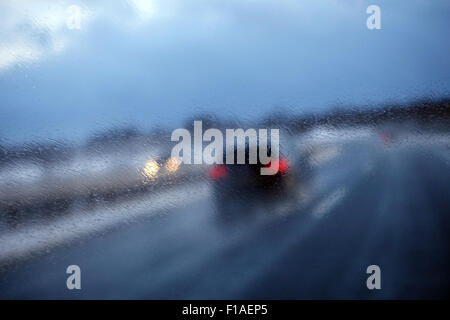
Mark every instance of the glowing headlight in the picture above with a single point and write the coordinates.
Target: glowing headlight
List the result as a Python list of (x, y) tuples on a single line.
[(151, 169), (172, 165)]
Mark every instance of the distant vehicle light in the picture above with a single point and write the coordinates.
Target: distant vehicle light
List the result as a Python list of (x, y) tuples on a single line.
[(172, 165), (151, 169), (386, 138), (217, 172)]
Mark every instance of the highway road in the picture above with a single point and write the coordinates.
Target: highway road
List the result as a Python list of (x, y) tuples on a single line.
[(365, 202)]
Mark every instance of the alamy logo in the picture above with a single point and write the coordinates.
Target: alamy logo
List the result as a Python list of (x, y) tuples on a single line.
[(74, 19), (374, 20), (74, 280), (374, 280), (235, 142)]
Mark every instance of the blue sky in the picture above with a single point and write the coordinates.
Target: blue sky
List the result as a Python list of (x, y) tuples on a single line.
[(154, 63)]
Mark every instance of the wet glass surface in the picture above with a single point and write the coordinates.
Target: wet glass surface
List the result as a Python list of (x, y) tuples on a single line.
[(91, 93)]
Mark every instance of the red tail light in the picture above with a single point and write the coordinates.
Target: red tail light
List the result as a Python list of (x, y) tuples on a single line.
[(282, 166), (217, 172)]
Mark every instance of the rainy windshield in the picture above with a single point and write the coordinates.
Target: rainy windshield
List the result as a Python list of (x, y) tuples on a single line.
[(224, 149)]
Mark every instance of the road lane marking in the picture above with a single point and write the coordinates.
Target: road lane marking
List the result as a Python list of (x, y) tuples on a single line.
[(32, 239), (329, 202)]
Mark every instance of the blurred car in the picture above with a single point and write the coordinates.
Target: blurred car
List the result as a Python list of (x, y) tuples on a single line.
[(247, 177), (245, 180), (244, 197)]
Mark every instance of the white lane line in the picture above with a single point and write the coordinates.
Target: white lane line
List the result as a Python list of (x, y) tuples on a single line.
[(329, 202), (32, 239)]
